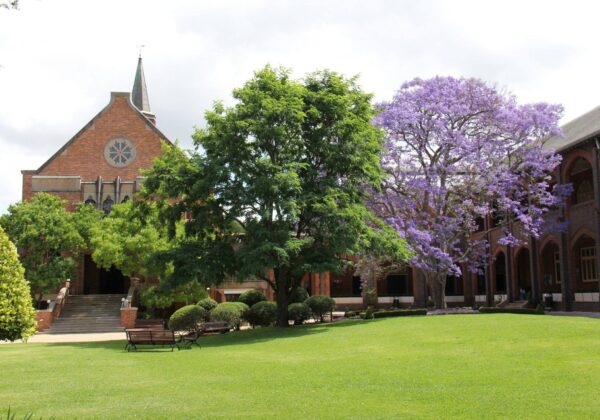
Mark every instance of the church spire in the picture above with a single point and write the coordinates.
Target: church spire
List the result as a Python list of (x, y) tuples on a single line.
[(139, 93)]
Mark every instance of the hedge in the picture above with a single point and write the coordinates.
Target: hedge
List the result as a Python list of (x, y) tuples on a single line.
[(500, 310), (399, 312)]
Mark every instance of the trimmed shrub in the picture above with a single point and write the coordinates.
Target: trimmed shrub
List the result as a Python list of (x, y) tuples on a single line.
[(298, 295), (17, 316), (208, 304), (263, 314), (252, 297), (320, 305), (500, 310), (231, 312), (399, 312), (187, 318), (299, 312)]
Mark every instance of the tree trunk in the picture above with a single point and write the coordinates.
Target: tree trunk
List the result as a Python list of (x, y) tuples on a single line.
[(282, 302), (437, 286)]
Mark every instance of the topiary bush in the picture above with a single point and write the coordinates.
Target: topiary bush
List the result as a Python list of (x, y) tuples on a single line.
[(299, 312), (320, 305), (17, 316), (251, 297), (187, 318), (208, 304), (263, 314), (231, 312), (299, 294)]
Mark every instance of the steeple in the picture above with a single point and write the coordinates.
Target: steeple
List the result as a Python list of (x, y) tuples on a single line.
[(139, 93)]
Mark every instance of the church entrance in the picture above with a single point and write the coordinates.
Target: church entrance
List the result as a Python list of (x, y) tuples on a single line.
[(97, 280)]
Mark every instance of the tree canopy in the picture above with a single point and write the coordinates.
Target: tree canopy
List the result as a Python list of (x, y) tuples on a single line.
[(275, 187), (48, 239), (456, 151), (17, 316)]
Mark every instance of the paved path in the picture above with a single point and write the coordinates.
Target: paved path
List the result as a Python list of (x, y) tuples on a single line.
[(73, 338)]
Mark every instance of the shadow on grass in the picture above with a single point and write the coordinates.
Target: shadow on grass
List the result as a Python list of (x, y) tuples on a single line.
[(254, 336)]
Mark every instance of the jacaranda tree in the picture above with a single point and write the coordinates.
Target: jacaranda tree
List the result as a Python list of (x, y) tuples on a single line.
[(458, 150), (275, 187)]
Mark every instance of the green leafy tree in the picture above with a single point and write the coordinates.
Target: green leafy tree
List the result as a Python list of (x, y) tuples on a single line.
[(17, 317), (48, 240), (277, 183), (127, 238)]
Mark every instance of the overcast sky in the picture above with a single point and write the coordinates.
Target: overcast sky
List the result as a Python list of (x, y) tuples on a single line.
[(59, 60)]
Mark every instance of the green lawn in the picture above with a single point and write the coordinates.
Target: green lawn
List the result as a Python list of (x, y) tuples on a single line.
[(455, 366)]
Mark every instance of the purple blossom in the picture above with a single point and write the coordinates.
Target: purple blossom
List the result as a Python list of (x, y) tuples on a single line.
[(457, 150)]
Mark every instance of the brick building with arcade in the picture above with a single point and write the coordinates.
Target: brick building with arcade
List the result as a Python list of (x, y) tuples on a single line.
[(101, 165)]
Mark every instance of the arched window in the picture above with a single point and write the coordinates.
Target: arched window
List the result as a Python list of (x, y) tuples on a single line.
[(581, 178), (90, 201), (107, 205)]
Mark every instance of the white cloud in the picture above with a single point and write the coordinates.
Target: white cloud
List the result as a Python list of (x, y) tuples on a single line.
[(61, 58)]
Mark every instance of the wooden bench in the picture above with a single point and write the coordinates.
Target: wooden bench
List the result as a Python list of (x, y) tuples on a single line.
[(151, 337), (150, 324), (215, 327)]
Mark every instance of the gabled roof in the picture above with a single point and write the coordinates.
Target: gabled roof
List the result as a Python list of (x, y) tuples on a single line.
[(574, 132), (113, 95)]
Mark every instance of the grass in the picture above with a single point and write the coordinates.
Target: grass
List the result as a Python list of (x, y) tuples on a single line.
[(455, 366)]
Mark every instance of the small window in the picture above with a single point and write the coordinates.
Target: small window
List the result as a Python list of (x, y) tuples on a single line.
[(588, 264)]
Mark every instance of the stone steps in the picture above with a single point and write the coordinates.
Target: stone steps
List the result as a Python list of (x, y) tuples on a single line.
[(89, 314)]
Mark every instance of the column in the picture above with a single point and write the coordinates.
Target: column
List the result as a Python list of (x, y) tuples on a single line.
[(533, 271), (563, 250), (597, 205)]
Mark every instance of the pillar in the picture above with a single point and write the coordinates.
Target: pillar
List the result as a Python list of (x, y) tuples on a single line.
[(563, 251), (533, 271), (596, 205)]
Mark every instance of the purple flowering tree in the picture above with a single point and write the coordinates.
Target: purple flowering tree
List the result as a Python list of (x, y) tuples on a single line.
[(456, 152)]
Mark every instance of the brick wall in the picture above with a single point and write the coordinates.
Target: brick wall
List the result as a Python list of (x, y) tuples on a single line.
[(83, 155)]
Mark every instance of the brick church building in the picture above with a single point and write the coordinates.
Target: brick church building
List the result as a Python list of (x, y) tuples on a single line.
[(100, 165)]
